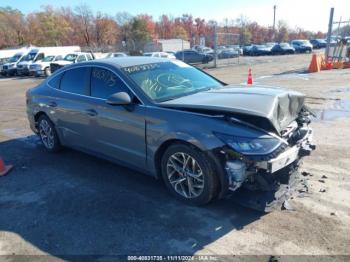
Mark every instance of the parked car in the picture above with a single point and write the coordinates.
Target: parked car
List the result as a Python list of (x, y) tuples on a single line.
[(228, 53), (246, 49), (10, 68), (5, 56), (258, 50), (37, 54), (236, 48), (160, 54), (72, 58), (282, 49), (193, 57), (302, 46), (318, 43), (2, 62), (42, 68), (117, 54), (203, 49), (168, 119)]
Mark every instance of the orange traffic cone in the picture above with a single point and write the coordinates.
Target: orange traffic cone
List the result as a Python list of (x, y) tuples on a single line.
[(315, 64), (4, 170), (250, 77)]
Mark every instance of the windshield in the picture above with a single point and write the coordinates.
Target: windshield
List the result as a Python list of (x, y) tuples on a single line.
[(169, 80), (29, 57), (48, 58), (70, 57), (15, 58)]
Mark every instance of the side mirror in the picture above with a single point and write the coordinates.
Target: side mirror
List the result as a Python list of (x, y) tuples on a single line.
[(118, 99)]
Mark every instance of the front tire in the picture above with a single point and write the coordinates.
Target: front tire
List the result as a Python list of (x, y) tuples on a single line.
[(48, 134), (188, 174)]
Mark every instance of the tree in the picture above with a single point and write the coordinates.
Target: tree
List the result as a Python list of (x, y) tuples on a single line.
[(84, 20), (12, 26), (106, 30), (180, 32), (282, 32)]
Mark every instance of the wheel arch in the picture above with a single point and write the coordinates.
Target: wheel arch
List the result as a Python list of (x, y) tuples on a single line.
[(214, 162)]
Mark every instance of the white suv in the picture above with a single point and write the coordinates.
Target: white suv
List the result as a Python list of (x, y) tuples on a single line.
[(42, 68), (71, 58)]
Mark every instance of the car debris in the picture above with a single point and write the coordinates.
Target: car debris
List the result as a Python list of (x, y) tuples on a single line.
[(321, 181)]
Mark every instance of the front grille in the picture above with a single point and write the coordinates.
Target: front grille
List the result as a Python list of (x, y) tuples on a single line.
[(5, 67)]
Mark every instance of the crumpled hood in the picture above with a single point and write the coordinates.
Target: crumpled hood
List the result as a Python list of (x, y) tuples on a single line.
[(268, 108)]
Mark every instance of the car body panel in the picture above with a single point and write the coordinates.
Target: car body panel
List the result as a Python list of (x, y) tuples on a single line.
[(136, 134)]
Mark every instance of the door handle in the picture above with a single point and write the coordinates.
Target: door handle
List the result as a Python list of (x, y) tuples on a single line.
[(91, 112), (52, 104)]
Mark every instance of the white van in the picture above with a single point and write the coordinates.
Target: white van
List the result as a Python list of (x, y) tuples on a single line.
[(9, 59), (36, 55)]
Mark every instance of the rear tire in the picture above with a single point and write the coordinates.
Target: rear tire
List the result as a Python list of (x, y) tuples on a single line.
[(194, 183), (48, 134)]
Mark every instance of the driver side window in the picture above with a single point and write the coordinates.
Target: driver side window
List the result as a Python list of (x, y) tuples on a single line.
[(40, 57), (105, 83)]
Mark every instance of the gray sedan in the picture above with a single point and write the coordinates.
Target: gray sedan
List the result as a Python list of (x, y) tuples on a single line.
[(170, 120)]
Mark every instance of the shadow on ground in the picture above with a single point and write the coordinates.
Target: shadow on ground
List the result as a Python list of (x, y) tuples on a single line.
[(75, 204)]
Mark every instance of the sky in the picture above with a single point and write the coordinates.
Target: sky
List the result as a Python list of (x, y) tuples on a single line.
[(307, 14)]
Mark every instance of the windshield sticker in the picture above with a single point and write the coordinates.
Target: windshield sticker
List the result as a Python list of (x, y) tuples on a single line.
[(140, 68)]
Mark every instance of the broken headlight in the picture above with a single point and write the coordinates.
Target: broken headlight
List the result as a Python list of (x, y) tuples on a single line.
[(250, 145)]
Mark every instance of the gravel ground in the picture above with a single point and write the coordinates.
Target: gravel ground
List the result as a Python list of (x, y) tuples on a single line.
[(75, 204)]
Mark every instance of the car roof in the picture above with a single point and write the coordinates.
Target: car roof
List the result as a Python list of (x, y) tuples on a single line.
[(121, 62)]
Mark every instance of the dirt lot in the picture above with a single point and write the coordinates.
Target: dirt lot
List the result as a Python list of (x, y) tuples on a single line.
[(73, 204)]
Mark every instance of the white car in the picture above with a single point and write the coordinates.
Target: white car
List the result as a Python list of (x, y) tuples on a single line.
[(160, 54), (42, 68), (71, 58), (38, 54), (117, 54)]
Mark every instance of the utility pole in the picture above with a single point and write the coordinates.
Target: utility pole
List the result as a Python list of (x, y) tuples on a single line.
[(215, 46), (329, 34), (274, 23)]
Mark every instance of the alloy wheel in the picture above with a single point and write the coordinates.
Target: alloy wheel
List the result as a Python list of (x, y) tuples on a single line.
[(185, 175), (46, 134)]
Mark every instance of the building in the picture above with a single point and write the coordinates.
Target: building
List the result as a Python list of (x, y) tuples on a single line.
[(167, 45)]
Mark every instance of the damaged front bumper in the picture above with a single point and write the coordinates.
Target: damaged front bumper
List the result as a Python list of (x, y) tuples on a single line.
[(273, 180), (302, 148)]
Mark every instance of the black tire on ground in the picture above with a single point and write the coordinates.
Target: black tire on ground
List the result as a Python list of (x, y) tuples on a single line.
[(209, 177), (55, 146)]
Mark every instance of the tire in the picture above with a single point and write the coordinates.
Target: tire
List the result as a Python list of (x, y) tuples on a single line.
[(203, 180), (48, 134), (47, 71)]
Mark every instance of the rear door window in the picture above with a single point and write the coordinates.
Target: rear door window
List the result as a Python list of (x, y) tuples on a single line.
[(105, 83), (76, 81), (55, 81)]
